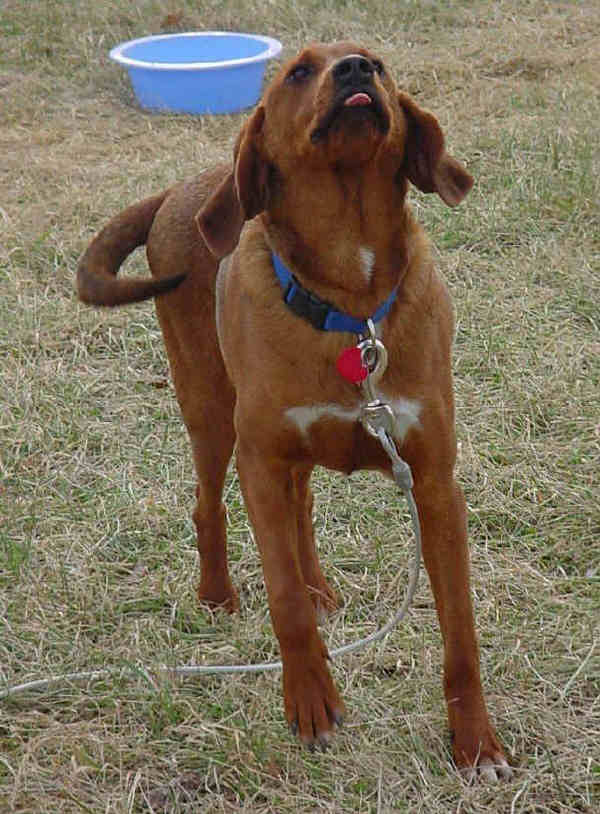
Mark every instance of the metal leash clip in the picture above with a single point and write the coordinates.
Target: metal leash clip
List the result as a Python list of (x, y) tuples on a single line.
[(377, 416), (374, 357)]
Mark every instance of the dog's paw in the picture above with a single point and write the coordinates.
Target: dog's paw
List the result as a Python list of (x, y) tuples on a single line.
[(481, 758), (218, 595), (488, 770), (324, 599), (313, 707)]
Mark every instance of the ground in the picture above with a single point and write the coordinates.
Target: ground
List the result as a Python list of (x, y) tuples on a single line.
[(97, 557)]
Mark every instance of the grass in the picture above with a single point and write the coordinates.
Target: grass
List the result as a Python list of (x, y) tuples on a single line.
[(97, 551)]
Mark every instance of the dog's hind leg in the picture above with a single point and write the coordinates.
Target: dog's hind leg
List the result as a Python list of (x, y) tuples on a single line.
[(206, 399), (321, 593), (212, 445)]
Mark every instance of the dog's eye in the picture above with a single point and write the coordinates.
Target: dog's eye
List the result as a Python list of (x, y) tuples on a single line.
[(378, 65), (299, 73)]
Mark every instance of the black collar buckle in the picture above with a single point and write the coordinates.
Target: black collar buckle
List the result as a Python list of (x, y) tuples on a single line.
[(306, 305)]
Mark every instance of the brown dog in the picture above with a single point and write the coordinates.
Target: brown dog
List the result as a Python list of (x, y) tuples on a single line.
[(319, 179)]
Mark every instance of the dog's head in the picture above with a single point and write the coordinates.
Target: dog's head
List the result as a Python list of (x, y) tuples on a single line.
[(331, 108)]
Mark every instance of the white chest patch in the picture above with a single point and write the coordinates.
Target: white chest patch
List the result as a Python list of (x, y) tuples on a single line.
[(367, 261), (405, 411)]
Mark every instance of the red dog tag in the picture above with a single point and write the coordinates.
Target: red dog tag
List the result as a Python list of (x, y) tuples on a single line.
[(350, 365)]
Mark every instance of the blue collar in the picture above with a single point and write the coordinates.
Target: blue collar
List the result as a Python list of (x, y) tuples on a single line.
[(322, 315)]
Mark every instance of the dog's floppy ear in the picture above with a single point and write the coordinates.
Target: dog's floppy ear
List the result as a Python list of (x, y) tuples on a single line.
[(240, 196), (426, 163)]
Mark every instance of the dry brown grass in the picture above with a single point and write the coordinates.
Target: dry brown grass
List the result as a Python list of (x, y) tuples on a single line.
[(97, 557)]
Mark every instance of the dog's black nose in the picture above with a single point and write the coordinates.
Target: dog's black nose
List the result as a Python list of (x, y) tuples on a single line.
[(354, 69)]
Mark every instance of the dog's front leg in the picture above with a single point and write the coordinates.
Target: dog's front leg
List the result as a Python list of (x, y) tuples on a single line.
[(312, 704), (443, 523)]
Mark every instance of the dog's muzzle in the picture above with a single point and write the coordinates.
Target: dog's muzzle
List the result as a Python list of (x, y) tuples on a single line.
[(354, 92)]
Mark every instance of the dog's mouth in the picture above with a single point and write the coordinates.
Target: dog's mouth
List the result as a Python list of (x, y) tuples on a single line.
[(357, 104)]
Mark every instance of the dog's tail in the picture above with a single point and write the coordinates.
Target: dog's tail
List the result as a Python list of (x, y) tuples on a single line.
[(97, 282)]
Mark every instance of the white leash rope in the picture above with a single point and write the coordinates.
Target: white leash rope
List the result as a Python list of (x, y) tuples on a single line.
[(222, 669)]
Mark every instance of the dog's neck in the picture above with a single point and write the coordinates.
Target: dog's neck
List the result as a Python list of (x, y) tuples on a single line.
[(356, 234)]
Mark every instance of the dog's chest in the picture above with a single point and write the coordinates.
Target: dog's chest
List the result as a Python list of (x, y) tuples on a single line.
[(334, 437)]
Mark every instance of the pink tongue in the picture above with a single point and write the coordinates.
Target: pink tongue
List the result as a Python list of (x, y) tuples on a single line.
[(358, 99)]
